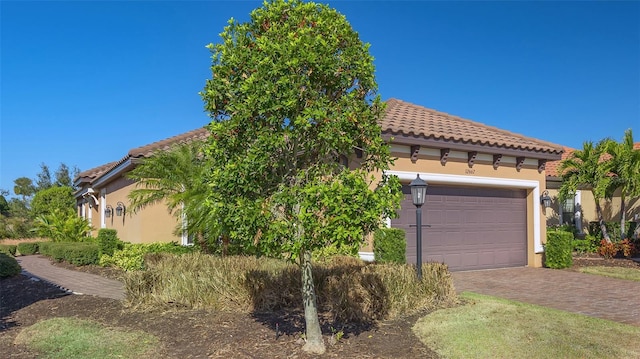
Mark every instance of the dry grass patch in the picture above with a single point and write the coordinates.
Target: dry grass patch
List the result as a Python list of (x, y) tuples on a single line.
[(348, 289), (614, 272)]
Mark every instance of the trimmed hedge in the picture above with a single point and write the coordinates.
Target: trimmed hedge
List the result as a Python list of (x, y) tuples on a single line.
[(390, 246), (558, 250), (9, 249), (76, 253), (8, 266), (108, 241), (28, 248)]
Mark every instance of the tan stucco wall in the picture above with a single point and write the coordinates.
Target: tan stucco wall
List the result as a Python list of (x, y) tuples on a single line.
[(457, 165), (610, 208), (152, 224)]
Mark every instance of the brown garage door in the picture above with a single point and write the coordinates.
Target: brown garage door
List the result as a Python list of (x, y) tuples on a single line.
[(471, 228)]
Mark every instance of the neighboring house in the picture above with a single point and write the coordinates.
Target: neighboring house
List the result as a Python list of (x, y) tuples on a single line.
[(581, 209), (482, 206), (102, 197)]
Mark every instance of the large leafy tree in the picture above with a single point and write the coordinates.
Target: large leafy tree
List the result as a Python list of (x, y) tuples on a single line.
[(24, 187), (53, 199), (176, 178), (625, 168), (43, 178), (586, 168), (292, 95)]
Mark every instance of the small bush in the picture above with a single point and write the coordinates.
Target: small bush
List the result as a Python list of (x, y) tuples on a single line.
[(587, 245), (607, 249), (28, 248), (8, 266), (627, 248), (558, 250), (9, 249), (131, 256), (44, 248), (390, 245), (108, 241)]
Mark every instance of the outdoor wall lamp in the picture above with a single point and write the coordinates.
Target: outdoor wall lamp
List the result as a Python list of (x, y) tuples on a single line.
[(120, 209), (108, 211), (545, 200), (418, 192)]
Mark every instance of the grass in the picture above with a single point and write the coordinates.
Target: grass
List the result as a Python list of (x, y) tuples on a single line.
[(72, 338), (615, 272), (489, 327)]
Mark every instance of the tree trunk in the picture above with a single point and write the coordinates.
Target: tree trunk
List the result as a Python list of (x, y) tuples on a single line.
[(623, 217), (603, 227), (314, 344)]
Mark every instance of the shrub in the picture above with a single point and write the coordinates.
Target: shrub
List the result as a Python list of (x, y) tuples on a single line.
[(348, 289), (9, 249), (62, 226), (44, 248), (627, 248), (558, 250), (390, 245), (8, 266), (108, 241), (607, 249), (77, 254), (28, 248), (587, 245), (131, 256)]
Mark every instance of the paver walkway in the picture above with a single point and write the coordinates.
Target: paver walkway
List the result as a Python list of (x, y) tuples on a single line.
[(593, 295), (73, 281)]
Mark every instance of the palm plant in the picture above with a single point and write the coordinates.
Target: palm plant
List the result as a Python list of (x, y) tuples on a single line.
[(175, 177), (625, 168), (585, 168)]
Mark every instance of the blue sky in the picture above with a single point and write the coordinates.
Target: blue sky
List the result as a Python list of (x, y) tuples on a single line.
[(82, 82)]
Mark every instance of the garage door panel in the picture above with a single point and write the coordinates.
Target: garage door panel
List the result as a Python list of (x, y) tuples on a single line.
[(471, 228)]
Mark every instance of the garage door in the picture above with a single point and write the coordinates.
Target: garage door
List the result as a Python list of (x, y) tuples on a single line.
[(471, 228)]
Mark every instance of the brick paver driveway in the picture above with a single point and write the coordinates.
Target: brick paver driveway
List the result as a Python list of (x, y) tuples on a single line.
[(593, 295)]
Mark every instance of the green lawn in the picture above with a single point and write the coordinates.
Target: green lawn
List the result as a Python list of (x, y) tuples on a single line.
[(71, 338), (489, 327), (615, 272)]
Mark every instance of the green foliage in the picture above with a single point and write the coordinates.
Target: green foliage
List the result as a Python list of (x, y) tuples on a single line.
[(28, 248), (349, 290), (108, 241), (131, 256), (9, 249), (558, 250), (587, 245), (72, 252), (585, 168), (62, 227), (8, 266), (52, 200), (390, 245), (24, 187), (289, 96)]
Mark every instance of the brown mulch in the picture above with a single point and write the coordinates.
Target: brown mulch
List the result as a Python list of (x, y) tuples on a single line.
[(199, 334), (589, 260)]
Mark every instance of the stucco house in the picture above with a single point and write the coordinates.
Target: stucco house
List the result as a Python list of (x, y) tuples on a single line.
[(581, 209), (482, 205)]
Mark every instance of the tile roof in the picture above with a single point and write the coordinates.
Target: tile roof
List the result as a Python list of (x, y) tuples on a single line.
[(407, 119), (145, 151)]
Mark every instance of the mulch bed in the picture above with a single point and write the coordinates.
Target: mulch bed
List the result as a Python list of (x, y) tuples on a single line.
[(199, 334)]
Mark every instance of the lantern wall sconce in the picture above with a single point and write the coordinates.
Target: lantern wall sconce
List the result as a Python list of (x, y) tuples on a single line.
[(120, 209), (545, 200), (108, 211)]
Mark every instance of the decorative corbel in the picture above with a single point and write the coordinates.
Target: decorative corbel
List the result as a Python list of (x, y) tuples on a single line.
[(358, 152), (496, 161), (444, 154), (519, 163), (542, 164), (472, 157), (415, 149)]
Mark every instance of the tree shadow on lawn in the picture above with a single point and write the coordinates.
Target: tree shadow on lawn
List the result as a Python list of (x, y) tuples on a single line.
[(21, 291)]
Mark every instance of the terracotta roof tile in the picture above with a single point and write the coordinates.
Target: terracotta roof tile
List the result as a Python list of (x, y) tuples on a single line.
[(403, 118), (95, 172), (551, 168)]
